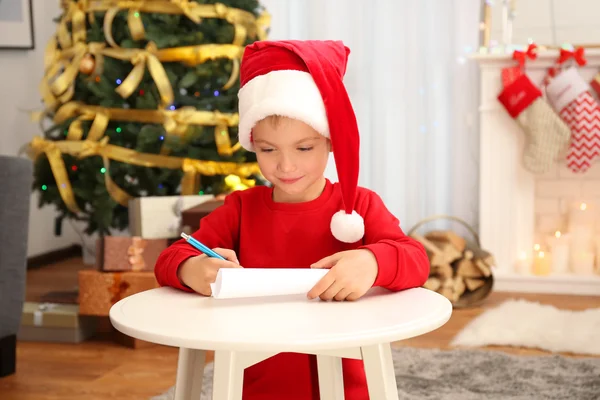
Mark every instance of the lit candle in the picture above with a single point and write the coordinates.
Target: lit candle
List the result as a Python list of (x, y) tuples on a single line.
[(581, 223), (541, 264), (523, 265), (583, 263), (581, 230), (559, 249)]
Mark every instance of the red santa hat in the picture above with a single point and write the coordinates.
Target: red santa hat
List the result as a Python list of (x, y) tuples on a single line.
[(304, 80)]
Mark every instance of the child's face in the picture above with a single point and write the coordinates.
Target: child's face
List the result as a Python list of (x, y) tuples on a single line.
[(292, 156)]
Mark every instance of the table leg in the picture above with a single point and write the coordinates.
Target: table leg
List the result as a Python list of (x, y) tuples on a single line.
[(379, 369), (190, 373), (331, 381), (228, 376)]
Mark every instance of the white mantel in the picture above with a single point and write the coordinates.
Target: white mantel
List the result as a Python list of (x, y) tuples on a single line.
[(506, 194)]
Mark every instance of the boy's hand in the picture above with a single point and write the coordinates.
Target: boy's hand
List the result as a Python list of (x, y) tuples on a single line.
[(352, 273), (200, 271)]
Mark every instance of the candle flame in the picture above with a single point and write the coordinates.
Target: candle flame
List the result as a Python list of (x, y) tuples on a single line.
[(583, 206), (536, 247), (541, 254), (557, 234)]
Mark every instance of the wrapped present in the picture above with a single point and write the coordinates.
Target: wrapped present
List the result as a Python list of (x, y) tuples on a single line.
[(190, 218), (99, 291), (159, 217), (52, 322), (125, 253)]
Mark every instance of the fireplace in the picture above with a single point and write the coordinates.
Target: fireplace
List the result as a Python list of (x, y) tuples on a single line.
[(524, 216)]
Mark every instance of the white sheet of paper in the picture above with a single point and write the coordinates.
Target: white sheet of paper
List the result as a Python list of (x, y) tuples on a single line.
[(256, 282)]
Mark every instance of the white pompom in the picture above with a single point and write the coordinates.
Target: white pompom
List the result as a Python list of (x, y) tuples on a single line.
[(347, 228)]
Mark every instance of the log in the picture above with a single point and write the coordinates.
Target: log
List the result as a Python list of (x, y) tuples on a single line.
[(458, 242), (474, 283), (450, 253), (485, 269), (481, 254), (446, 292), (438, 252), (458, 287), (435, 255), (433, 283), (444, 271), (468, 269)]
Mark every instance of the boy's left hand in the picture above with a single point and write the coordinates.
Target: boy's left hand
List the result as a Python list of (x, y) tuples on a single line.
[(352, 273)]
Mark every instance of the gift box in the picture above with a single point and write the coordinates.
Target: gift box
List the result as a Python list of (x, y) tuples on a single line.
[(99, 291), (159, 217), (124, 253), (52, 322), (190, 218)]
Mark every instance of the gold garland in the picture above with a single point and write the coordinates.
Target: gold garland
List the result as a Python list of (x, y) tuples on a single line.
[(175, 122), (74, 48), (244, 22), (57, 89), (191, 168)]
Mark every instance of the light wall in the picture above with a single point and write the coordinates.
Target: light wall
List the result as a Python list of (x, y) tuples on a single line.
[(20, 74)]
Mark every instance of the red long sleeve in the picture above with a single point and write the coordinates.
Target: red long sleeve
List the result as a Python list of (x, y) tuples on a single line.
[(267, 234), (402, 260), (219, 229)]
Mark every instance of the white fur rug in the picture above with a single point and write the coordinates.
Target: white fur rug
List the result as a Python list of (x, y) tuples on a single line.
[(522, 323)]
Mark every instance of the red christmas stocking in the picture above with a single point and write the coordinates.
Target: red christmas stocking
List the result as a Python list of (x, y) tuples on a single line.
[(570, 96), (546, 135)]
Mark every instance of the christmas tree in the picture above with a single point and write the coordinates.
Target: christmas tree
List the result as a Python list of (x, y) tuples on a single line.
[(142, 101)]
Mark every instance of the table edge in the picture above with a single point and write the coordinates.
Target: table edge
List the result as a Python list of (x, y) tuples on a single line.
[(443, 316)]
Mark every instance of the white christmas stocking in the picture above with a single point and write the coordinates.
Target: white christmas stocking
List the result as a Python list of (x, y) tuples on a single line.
[(570, 95), (547, 136)]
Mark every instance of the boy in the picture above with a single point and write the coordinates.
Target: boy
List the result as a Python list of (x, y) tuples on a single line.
[(294, 110)]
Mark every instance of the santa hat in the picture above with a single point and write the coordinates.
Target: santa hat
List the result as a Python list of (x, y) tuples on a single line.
[(304, 80)]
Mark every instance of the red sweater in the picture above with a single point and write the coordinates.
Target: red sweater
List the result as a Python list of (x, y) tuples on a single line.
[(266, 234)]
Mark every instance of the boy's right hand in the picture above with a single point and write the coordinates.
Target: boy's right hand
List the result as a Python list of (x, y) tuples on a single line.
[(200, 271)]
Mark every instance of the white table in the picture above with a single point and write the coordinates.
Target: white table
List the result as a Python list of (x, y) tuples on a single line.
[(243, 332)]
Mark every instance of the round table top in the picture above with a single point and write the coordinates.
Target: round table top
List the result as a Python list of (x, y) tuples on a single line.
[(280, 323)]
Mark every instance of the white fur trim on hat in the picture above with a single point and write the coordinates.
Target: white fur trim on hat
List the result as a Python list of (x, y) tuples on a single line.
[(288, 93), (348, 228)]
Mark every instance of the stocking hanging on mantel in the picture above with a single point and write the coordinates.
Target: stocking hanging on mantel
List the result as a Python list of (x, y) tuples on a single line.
[(570, 95), (547, 136)]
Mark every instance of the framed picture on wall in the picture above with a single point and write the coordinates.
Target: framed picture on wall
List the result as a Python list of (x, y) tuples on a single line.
[(16, 24)]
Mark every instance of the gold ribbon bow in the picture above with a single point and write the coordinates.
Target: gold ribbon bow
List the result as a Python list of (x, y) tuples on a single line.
[(57, 165), (193, 169), (194, 55), (177, 122), (99, 116), (188, 9), (134, 23), (222, 139), (74, 14), (63, 84), (140, 59)]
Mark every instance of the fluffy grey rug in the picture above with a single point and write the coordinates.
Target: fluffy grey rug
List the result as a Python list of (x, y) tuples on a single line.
[(480, 374)]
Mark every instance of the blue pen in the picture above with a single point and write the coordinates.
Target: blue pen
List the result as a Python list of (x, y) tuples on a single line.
[(200, 246)]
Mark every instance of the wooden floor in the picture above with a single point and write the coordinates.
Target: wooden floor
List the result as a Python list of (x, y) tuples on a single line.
[(100, 369)]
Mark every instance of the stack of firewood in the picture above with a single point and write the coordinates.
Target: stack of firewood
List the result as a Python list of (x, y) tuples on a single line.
[(460, 270)]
